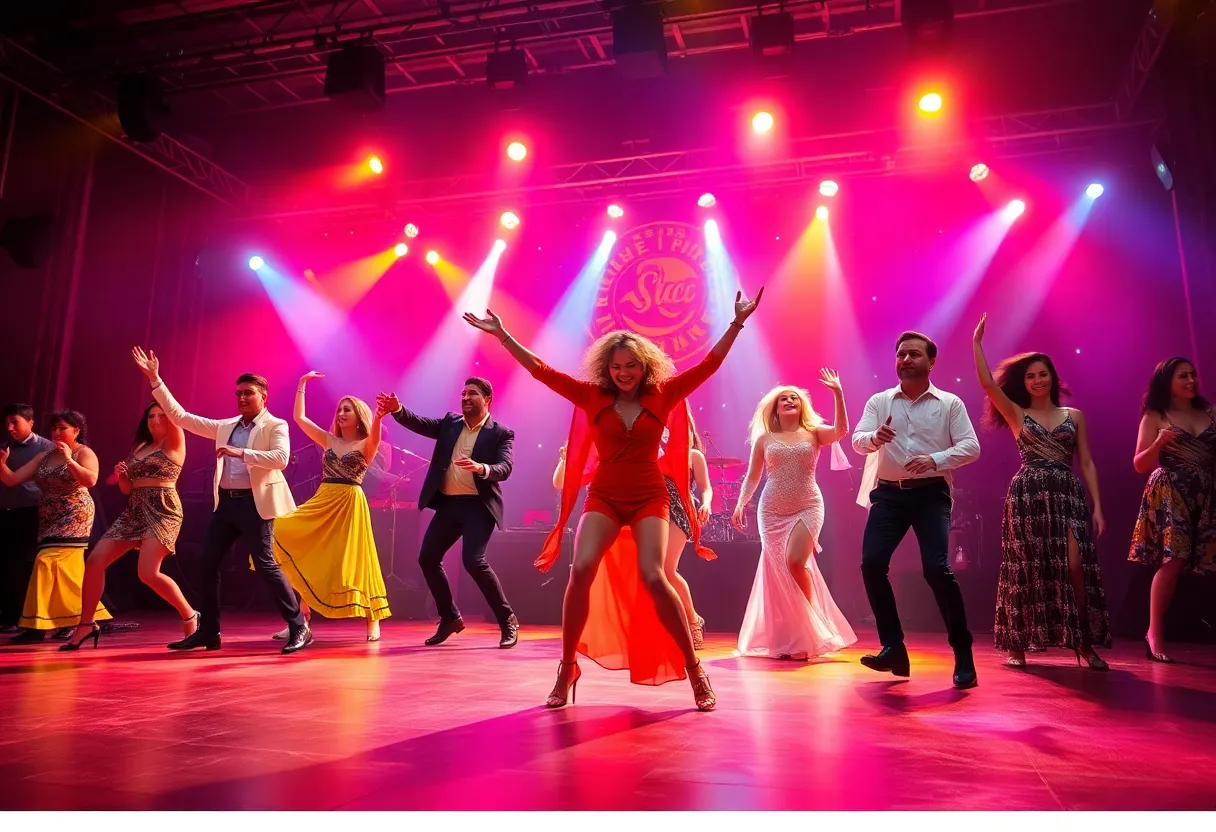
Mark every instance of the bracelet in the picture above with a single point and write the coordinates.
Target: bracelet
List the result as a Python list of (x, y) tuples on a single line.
[(736, 325), (301, 390), (505, 339)]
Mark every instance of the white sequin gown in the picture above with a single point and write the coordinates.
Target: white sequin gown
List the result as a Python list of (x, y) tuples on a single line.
[(779, 621)]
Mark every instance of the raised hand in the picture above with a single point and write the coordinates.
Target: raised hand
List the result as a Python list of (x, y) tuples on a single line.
[(744, 308), (561, 452), (491, 323), (388, 401), (3, 455), (830, 379), (147, 362), (979, 328), (309, 376), (383, 407), (885, 433)]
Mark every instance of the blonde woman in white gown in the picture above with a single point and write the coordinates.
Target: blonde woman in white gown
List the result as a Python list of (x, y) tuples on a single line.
[(791, 614)]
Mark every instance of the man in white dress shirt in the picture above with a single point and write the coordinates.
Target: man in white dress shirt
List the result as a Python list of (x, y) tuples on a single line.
[(915, 435)]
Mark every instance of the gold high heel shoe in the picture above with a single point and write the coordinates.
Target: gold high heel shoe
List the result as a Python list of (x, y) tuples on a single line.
[(698, 633), (702, 693), (557, 699)]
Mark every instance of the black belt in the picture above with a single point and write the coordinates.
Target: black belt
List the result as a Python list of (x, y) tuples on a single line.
[(236, 493), (338, 481), (908, 484)]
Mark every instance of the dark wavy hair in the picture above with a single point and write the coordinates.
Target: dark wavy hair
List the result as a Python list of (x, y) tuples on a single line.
[(1010, 376), (1157, 396), (74, 418), (143, 436)]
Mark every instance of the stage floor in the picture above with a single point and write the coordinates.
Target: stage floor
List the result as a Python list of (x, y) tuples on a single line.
[(396, 725)]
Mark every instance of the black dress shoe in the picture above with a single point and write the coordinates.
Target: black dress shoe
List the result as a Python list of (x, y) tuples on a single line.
[(446, 628), (510, 633), (889, 660), (298, 640), (29, 637), (964, 672), (197, 639)]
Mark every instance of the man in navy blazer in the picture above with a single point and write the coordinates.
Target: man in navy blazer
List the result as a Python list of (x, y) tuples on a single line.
[(473, 454)]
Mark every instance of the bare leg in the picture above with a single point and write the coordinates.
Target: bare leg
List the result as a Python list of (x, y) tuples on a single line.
[(1164, 584), (596, 533), (798, 551), (373, 627), (650, 533), (671, 566), (94, 584), (1076, 575)]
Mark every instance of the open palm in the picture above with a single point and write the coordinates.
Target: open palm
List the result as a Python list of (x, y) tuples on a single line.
[(147, 362), (490, 323), (830, 379)]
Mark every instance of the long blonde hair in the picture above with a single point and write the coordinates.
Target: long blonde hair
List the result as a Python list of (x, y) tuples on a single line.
[(765, 419), (657, 366), (363, 418)]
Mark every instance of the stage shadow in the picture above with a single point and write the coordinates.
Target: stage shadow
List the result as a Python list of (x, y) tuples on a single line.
[(408, 770), (764, 664), (892, 695), (1128, 692)]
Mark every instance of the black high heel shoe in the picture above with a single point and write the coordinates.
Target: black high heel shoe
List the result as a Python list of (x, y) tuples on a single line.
[(73, 646), (1155, 657), (1094, 661)]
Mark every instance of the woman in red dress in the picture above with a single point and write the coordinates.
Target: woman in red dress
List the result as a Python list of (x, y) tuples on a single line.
[(631, 618)]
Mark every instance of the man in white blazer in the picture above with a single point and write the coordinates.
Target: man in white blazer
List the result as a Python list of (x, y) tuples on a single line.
[(251, 451)]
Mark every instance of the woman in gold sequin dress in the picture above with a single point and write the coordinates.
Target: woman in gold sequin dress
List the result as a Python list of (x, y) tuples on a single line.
[(325, 546), (1049, 593), (65, 521), (150, 523), (1176, 529), (791, 613)]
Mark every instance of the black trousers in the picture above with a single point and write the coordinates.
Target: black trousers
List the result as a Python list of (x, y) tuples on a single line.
[(464, 518), (18, 548), (925, 510), (235, 519)]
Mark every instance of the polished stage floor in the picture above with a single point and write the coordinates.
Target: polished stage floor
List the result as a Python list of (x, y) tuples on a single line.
[(396, 725)]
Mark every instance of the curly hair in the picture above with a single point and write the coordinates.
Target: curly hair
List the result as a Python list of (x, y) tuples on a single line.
[(1157, 396), (74, 419), (1010, 376), (363, 417), (657, 365), (765, 419)]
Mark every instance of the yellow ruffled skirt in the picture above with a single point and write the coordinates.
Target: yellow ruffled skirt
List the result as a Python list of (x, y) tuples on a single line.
[(52, 599), (328, 553)]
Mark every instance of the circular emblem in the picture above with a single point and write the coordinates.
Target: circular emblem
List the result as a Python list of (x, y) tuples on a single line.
[(655, 285)]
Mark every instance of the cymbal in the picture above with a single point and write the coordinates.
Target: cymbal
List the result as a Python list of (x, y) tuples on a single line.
[(724, 462)]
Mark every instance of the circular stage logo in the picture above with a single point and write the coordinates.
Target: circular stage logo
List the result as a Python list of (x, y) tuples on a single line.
[(655, 285)]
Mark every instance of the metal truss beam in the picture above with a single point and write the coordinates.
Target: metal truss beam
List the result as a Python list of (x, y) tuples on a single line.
[(1154, 32), (652, 175), (48, 84)]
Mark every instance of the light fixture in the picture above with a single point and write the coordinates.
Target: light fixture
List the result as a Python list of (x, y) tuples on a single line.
[(979, 172)]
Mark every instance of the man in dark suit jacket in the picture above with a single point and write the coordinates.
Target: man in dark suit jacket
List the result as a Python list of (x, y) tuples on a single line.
[(473, 454)]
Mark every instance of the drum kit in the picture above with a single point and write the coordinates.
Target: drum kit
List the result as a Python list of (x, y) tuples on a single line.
[(726, 477)]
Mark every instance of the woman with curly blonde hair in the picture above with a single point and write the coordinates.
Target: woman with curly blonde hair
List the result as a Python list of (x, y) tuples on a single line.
[(325, 546), (629, 616), (791, 614)]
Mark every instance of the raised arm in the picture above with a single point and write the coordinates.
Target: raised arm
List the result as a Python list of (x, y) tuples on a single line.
[(965, 446), (280, 449), (755, 469), (23, 474), (1089, 471), (149, 365), (311, 429), (827, 434), (684, 384), (408, 419), (569, 388), (374, 435), (559, 473), (1154, 435), (1013, 414)]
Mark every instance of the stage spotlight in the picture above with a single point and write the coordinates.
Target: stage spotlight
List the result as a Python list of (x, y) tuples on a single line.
[(432, 257), (376, 165), (509, 221), (411, 230), (401, 249), (711, 227), (500, 245), (821, 213), (516, 151), (706, 200), (1094, 191), (930, 102), (1014, 209), (828, 188), (615, 211), (762, 122), (256, 262), (979, 172)]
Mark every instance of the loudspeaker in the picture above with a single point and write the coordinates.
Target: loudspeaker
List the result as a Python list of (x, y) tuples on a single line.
[(142, 110), (638, 43), (506, 70), (355, 76), (28, 240), (772, 34)]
